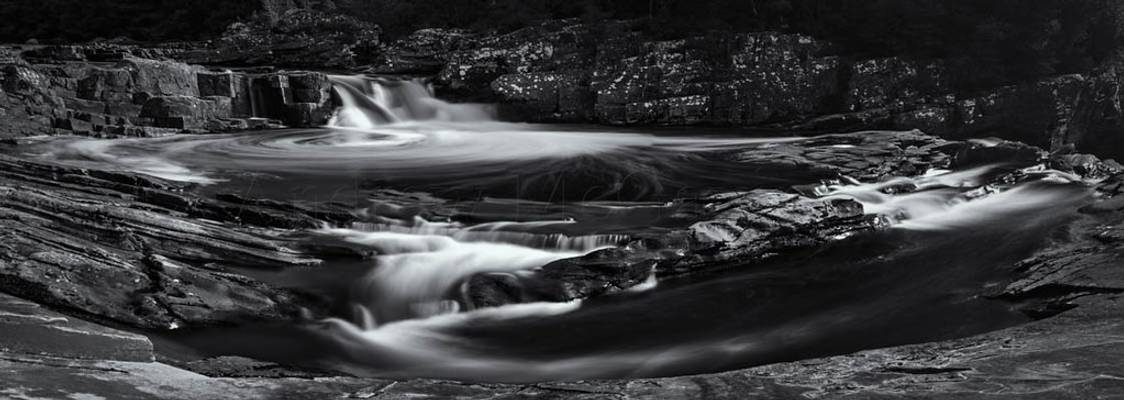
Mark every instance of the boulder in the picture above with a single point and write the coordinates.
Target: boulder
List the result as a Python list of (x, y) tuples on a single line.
[(598, 273)]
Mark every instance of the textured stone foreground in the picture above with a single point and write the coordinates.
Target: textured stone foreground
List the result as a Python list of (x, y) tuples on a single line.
[(1073, 356)]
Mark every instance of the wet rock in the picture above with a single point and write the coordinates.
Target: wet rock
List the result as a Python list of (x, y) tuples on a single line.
[(137, 251), (595, 274), (1086, 165), (744, 228), (235, 367), (296, 99), (997, 152), (31, 329)]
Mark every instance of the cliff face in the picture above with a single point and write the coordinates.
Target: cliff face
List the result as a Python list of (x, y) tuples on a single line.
[(568, 71), (60, 91)]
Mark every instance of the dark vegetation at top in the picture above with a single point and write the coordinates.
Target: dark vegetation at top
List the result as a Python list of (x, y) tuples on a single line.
[(988, 41), (141, 20), (994, 40)]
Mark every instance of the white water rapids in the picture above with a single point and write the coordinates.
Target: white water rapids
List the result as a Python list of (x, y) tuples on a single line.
[(944, 200), (938, 201)]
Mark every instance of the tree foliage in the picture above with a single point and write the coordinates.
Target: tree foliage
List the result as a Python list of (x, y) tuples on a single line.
[(986, 41), (148, 20)]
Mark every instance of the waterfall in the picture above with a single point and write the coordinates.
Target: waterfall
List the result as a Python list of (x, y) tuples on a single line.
[(368, 102)]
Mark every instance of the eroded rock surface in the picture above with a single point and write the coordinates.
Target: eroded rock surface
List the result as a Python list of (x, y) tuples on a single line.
[(139, 251)]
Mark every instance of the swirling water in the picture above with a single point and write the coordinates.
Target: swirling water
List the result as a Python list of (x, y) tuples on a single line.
[(394, 134), (529, 195)]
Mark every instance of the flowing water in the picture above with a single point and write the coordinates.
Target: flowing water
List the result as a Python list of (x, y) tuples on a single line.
[(525, 195), (393, 134)]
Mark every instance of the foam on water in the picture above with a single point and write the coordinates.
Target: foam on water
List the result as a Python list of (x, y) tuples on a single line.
[(944, 200), (516, 233), (414, 272), (384, 128), (422, 348)]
